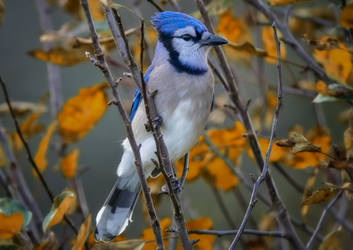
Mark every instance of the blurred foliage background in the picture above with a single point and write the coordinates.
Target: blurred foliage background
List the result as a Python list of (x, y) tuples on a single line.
[(211, 188)]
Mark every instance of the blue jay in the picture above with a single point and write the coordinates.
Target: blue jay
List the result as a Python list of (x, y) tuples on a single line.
[(180, 73)]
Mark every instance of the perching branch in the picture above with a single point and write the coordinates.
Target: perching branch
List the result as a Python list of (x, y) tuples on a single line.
[(100, 62), (29, 154), (233, 92)]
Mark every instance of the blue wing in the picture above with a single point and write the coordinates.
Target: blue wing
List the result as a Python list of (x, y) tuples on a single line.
[(138, 95)]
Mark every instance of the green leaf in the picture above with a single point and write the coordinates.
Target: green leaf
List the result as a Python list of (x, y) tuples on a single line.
[(9, 206)]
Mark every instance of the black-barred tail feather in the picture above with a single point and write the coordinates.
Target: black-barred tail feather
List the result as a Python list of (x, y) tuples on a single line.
[(115, 215)]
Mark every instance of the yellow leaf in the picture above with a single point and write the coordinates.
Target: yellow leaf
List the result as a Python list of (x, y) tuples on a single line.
[(68, 164), (40, 157), (236, 32), (277, 152), (321, 87), (346, 19), (206, 241), (82, 234), (64, 56), (148, 235), (336, 62), (281, 2), (61, 205), (332, 241), (82, 112), (249, 48), (13, 217), (96, 10), (10, 225), (320, 195), (270, 45), (308, 191), (220, 175), (30, 126)]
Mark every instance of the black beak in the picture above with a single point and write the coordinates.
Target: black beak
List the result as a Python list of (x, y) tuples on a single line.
[(214, 40)]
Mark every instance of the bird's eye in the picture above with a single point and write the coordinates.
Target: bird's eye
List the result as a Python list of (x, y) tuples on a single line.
[(186, 37)]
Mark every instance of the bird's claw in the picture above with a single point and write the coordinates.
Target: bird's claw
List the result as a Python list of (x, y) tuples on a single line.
[(156, 123), (176, 186)]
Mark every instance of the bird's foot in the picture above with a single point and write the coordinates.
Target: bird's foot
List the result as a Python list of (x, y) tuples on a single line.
[(156, 123), (176, 186)]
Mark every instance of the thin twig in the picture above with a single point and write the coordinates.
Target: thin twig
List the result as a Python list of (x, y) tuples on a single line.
[(223, 207), (321, 220), (100, 62), (185, 170), (264, 172), (53, 70), (29, 154), (246, 231), (159, 8), (278, 205)]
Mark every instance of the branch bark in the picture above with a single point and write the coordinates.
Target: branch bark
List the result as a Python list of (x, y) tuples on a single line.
[(100, 62), (233, 92)]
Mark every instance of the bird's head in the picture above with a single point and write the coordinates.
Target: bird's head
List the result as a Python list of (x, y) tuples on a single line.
[(186, 39)]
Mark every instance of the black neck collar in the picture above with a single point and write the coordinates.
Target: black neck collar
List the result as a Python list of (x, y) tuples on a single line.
[(174, 58)]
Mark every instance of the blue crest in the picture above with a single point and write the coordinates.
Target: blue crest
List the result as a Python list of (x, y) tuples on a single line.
[(169, 21)]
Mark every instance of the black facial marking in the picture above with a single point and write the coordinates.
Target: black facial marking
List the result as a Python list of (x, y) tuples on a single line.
[(174, 56)]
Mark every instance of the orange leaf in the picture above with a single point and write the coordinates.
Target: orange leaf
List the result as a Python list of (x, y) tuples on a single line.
[(270, 45), (332, 241), (336, 62), (82, 234), (346, 19), (277, 152), (62, 204), (96, 10), (68, 164), (220, 174), (40, 157), (148, 235), (64, 56), (206, 241), (82, 112), (321, 87), (3, 160), (10, 225)]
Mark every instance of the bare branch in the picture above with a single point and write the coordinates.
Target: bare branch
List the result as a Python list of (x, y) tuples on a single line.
[(321, 220), (221, 233), (101, 63)]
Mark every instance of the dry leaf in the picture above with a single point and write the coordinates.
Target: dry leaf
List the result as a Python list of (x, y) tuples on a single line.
[(321, 87), (63, 56), (3, 159), (40, 157), (332, 241), (249, 48), (82, 234), (206, 241), (326, 42), (270, 45), (308, 191), (96, 10), (320, 195), (348, 140), (82, 112), (346, 19), (281, 2), (68, 164), (277, 152), (13, 217), (61, 205), (2, 9), (22, 108), (336, 62)]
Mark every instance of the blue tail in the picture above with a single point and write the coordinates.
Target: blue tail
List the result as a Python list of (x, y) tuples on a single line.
[(115, 215)]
